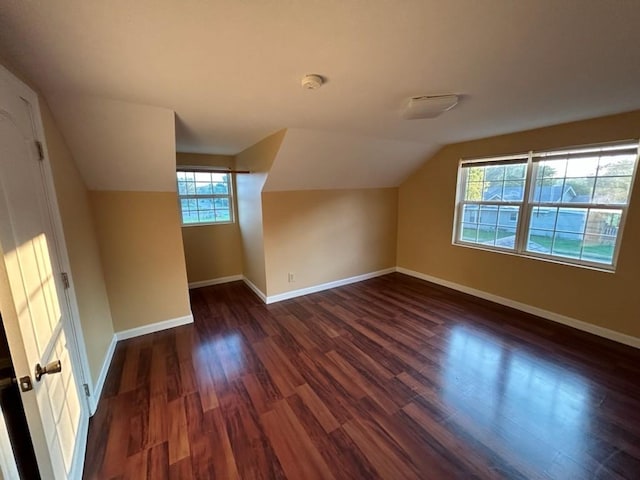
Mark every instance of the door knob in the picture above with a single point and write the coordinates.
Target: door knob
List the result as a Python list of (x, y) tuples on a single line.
[(51, 367)]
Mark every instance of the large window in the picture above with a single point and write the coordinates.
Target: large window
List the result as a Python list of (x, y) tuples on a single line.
[(205, 197), (564, 205)]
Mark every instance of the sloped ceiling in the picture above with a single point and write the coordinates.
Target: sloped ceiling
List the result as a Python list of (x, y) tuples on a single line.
[(119, 145), (314, 160), (231, 69)]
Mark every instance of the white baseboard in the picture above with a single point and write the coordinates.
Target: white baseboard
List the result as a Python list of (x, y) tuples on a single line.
[(99, 385), (215, 281), (554, 317), (255, 289), (154, 327), (326, 286)]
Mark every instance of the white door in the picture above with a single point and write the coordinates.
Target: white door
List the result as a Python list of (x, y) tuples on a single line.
[(44, 332)]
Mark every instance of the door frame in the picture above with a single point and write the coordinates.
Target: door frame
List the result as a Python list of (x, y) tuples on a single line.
[(81, 364)]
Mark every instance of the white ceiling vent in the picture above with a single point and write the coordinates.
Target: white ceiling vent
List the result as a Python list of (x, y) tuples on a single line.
[(429, 106)]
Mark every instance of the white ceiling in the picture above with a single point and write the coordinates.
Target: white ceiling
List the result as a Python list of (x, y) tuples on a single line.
[(231, 69)]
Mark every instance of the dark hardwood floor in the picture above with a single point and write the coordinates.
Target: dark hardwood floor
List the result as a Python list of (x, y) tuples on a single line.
[(390, 378)]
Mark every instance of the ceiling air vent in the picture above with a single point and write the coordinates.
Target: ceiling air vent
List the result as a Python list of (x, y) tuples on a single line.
[(429, 106)]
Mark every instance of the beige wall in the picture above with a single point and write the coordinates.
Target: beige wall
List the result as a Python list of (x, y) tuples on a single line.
[(82, 247), (327, 235), (426, 206), (142, 256), (257, 158), (211, 251)]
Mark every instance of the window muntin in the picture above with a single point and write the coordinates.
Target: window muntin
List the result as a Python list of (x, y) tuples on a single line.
[(491, 202), (205, 197), (566, 205)]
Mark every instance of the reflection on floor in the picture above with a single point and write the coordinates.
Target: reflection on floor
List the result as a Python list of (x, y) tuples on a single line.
[(390, 378)]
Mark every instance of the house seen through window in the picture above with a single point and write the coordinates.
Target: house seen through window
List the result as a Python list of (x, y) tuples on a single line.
[(205, 197), (568, 205)]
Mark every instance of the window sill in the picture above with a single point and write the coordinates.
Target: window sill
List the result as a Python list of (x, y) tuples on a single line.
[(189, 225), (538, 257)]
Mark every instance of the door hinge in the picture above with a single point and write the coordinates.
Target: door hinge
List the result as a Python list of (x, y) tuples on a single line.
[(40, 149), (65, 280), (86, 389)]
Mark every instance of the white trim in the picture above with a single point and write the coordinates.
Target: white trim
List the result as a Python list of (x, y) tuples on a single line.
[(255, 289), (77, 464), (83, 368), (97, 389), (215, 281), (154, 327), (72, 327), (554, 317), (326, 286)]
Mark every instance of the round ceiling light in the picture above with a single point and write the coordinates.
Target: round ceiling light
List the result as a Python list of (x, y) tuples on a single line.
[(312, 82)]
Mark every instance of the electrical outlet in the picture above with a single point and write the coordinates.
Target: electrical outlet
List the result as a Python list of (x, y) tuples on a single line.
[(292, 277)]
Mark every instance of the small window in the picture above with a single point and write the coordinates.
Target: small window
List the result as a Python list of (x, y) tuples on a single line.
[(205, 197), (568, 205)]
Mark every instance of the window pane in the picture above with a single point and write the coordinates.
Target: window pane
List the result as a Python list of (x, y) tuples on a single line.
[(475, 174), (221, 188), (207, 215), (469, 232), (508, 216), (189, 217), (493, 174), (579, 189), (487, 234), (603, 222), (488, 215), (552, 169), (550, 190), (223, 216), (572, 220), (203, 188), (204, 177), (543, 218), (616, 166), (470, 213), (205, 203), (506, 237), (188, 204), (582, 167), (220, 177), (612, 190), (513, 191), (221, 203), (515, 172), (567, 244), (539, 241), (598, 248)]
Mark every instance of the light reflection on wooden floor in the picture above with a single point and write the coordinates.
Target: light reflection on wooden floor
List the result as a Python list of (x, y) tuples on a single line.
[(389, 378)]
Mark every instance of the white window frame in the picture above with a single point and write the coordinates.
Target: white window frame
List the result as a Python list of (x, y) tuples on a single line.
[(229, 195), (528, 204)]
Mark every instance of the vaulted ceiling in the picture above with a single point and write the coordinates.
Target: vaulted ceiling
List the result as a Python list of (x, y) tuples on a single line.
[(231, 71)]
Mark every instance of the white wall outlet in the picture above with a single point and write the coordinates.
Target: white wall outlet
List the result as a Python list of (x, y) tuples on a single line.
[(292, 277)]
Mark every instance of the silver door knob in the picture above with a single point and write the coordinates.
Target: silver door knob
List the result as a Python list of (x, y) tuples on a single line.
[(51, 367)]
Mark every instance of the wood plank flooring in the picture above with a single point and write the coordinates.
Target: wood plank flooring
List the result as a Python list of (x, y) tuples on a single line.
[(391, 378)]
